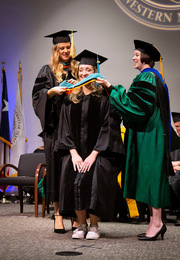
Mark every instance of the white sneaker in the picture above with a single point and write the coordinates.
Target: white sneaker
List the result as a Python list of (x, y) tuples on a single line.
[(80, 232), (93, 233)]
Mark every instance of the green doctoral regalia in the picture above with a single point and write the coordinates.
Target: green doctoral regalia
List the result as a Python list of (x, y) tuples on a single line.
[(146, 163)]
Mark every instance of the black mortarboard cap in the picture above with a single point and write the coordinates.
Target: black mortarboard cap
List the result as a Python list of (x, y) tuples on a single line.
[(89, 58), (148, 48), (61, 36), (176, 117)]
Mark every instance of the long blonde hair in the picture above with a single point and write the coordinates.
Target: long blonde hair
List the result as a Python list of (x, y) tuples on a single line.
[(76, 95), (57, 66)]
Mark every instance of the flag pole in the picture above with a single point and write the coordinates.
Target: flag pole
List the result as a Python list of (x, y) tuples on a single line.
[(20, 67), (20, 78), (4, 200), (3, 62), (20, 81)]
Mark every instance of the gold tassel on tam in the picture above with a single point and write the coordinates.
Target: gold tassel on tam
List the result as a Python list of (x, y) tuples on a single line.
[(73, 51), (161, 65), (161, 68)]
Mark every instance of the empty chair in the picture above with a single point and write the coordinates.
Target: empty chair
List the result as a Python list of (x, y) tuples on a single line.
[(31, 168)]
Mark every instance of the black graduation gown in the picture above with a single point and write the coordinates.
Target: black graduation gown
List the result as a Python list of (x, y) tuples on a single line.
[(48, 111), (86, 126)]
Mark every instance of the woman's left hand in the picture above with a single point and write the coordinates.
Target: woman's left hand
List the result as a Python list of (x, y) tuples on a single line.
[(176, 168), (88, 162), (72, 81), (176, 165)]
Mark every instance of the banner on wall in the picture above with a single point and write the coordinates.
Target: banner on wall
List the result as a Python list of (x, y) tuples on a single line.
[(5, 143), (163, 14)]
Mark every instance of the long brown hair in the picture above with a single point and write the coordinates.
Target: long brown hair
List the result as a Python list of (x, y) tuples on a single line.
[(57, 66)]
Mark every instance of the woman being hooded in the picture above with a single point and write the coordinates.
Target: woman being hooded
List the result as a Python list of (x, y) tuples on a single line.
[(145, 108), (89, 141), (47, 100)]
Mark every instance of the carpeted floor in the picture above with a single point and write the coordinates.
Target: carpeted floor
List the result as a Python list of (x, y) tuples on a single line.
[(23, 236)]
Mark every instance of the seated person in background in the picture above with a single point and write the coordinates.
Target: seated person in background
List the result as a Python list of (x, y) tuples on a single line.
[(175, 157)]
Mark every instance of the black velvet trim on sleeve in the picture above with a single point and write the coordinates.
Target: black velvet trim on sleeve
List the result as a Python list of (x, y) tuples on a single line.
[(148, 85), (143, 106), (40, 80), (37, 88), (146, 97)]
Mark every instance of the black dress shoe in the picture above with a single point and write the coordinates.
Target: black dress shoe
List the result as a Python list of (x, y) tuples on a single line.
[(177, 221), (141, 235), (59, 230), (161, 232)]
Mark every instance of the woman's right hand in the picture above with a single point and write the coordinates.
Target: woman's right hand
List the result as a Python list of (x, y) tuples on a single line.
[(88, 162), (103, 82), (76, 160), (56, 90)]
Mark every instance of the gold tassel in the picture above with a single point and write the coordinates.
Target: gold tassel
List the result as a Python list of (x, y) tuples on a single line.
[(161, 68), (73, 51), (161, 65)]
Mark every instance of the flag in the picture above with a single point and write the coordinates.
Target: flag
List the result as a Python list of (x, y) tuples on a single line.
[(5, 142), (18, 135)]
